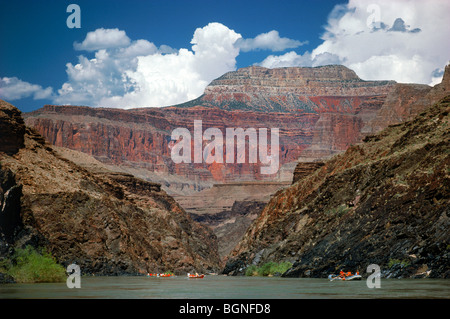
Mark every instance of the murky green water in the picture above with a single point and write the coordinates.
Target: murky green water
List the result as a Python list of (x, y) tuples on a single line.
[(221, 287)]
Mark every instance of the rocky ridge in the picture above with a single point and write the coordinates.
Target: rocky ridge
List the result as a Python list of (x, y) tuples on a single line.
[(383, 202), (304, 169), (405, 101), (106, 222)]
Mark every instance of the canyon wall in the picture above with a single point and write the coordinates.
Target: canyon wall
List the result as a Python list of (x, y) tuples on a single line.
[(319, 112), (384, 202), (109, 223)]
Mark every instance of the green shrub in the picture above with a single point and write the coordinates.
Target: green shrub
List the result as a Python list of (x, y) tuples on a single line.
[(402, 263), (283, 267), (28, 266), (268, 269), (251, 271)]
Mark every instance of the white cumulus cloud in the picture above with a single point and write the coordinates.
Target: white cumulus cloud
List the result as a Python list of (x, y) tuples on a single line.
[(103, 39), (12, 88), (268, 41), (129, 74), (139, 74), (92, 81), (404, 41), (292, 58)]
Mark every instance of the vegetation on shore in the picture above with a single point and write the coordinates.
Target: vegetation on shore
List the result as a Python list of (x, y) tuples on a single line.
[(268, 269), (29, 265), (401, 263)]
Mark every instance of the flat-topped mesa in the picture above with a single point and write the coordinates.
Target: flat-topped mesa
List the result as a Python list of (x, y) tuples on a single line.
[(293, 89), (290, 76)]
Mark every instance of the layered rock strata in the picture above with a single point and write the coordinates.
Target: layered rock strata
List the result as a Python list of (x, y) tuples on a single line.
[(383, 202), (304, 169), (310, 90), (107, 222), (319, 112)]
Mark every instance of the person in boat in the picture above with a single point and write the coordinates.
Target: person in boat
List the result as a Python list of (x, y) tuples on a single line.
[(342, 274)]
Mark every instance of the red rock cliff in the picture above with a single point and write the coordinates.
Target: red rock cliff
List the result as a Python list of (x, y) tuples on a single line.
[(319, 111), (108, 223)]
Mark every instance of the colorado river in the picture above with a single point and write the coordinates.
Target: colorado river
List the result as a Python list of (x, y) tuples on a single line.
[(221, 287)]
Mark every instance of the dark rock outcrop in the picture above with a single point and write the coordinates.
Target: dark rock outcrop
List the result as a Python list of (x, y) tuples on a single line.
[(304, 169), (383, 202), (106, 222), (12, 128), (10, 198)]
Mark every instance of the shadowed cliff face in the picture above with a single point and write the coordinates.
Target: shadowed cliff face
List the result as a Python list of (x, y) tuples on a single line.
[(10, 196), (12, 128), (405, 101), (108, 223), (319, 112), (383, 202)]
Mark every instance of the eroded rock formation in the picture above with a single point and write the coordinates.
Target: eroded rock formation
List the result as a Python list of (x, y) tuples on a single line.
[(106, 222), (383, 202)]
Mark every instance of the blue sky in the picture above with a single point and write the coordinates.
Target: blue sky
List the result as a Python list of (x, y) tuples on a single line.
[(42, 61)]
